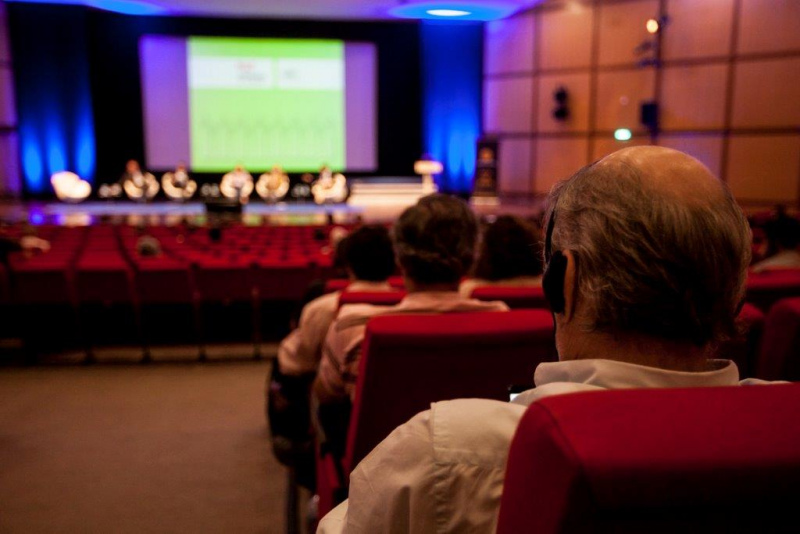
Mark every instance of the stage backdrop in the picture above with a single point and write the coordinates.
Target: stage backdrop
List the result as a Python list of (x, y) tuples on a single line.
[(79, 88)]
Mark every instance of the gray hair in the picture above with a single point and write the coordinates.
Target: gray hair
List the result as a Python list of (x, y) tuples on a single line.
[(650, 262)]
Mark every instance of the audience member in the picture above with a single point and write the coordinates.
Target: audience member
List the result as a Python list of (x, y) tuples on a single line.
[(510, 255), (646, 255), (434, 246), (783, 238), (369, 261)]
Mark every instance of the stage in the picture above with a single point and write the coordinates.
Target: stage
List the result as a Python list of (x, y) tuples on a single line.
[(253, 213)]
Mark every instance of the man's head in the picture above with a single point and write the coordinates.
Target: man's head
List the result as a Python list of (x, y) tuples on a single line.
[(367, 253), (132, 166), (511, 247), (656, 249), (435, 241)]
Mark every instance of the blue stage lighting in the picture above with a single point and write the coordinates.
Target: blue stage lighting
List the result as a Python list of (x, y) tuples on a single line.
[(456, 10), (126, 7), (32, 166)]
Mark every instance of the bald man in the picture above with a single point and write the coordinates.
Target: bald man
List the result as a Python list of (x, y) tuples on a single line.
[(646, 257)]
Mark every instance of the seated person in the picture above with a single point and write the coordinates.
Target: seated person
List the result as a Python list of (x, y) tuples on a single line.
[(69, 187), (301, 191), (29, 244), (369, 260), (510, 255), (177, 184), (783, 237), (273, 186), (368, 257), (642, 305), (434, 246), (138, 185), (237, 184), (329, 187)]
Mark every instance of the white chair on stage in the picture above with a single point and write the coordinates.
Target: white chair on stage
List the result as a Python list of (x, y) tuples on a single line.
[(330, 188), (272, 186), (69, 187), (141, 186), (237, 184), (178, 186)]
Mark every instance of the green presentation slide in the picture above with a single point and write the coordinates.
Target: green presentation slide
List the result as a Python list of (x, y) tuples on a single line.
[(265, 102)]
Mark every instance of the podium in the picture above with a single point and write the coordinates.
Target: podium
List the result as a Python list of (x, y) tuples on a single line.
[(222, 206)]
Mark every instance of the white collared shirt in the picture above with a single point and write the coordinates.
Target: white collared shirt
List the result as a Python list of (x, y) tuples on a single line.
[(443, 470)]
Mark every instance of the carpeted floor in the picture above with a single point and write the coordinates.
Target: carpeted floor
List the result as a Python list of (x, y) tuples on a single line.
[(159, 448)]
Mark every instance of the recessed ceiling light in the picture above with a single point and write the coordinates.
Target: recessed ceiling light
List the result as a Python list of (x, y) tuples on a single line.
[(448, 12)]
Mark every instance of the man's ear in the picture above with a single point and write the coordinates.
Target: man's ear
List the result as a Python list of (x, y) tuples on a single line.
[(570, 285)]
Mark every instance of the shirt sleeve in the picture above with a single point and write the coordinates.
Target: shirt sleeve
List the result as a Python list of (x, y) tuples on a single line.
[(391, 489), (300, 351)]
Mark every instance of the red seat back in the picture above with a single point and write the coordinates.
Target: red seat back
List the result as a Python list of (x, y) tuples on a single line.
[(658, 460), (380, 298), (516, 297), (768, 287), (779, 358), (410, 361)]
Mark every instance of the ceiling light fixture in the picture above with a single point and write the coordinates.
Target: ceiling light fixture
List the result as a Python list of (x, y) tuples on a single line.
[(448, 12)]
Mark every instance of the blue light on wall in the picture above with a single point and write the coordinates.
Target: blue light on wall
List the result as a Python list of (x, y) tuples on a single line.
[(54, 103), (126, 7), (451, 94), (482, 10)]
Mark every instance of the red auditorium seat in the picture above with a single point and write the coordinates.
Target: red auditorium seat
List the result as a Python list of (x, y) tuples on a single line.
[(410, 361), (768, 287), (779, 358), (658, 460), (226, 292), (336, 284), (167, 298), (107, 304), (379, 298), (516, 297)]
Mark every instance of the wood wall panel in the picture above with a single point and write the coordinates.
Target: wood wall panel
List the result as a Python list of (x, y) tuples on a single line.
[(565, 37), (706, 148), (603, 145), (578, 88), (684, 104), (622, 29), (767, 93), (769, 26), (764, 168), (514, 169), (508, 45), (508, 105), (619, 96), (698, 29), (558, 159)]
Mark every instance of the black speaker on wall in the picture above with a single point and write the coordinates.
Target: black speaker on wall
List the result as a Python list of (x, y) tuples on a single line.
[(561, 111), (649, 115)]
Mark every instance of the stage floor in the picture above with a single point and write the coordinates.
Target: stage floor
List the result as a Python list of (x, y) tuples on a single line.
[(164, 212)]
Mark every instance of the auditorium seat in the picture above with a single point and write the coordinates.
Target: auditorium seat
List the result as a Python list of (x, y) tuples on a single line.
[(228, 310), (168, 304), (107, 304), (766, 288), (516, 297), (336, 284), (779, 358), (378, 298), (410, 361), (657, 460)]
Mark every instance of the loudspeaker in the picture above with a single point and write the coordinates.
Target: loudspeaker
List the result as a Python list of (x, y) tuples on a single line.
[(649, 115), (485, 181), (561, 111)]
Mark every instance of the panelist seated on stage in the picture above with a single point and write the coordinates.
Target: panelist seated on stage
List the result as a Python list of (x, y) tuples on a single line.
[(329, 187), (273, 186), (138, 185), (69, 187), (237, 184), (177, 184)]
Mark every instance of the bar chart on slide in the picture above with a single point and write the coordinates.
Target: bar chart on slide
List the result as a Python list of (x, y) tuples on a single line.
[(263, 102)]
